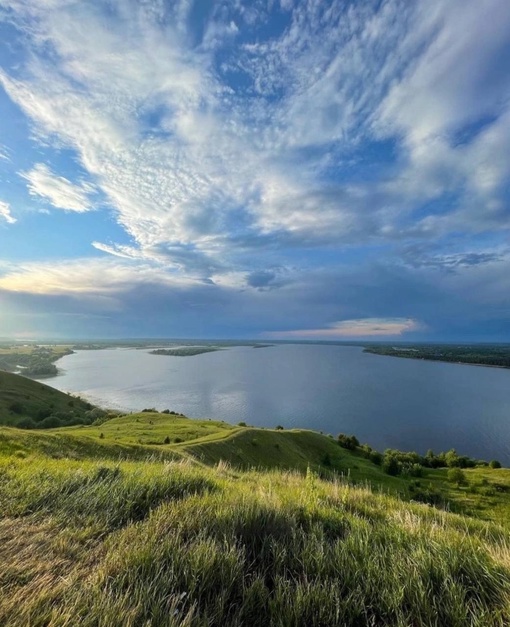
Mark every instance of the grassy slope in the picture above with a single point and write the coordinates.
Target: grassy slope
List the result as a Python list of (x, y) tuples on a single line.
[(97, 543), (141, 436), (32, 397), (150, 428), (106, 525)]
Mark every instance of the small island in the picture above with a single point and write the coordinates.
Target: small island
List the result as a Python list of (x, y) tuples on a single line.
[(185, 351)]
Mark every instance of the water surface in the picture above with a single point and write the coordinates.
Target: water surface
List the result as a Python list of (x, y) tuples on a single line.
[(385, 401)]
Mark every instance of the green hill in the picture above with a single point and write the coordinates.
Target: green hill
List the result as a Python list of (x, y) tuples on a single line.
[(30, 404), (157, 519), (95, 542)]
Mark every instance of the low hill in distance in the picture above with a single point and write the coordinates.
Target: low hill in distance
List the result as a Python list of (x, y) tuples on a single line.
[(32, 360), (157, 519), (30, 404)]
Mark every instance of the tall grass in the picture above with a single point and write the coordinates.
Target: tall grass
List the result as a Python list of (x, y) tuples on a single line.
[(101, 494), (182, 545)]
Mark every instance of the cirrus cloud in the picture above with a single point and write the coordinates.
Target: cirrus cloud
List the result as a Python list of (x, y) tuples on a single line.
[(57, 190), (5, 213)]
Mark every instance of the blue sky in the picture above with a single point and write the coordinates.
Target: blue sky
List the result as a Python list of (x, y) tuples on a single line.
[(263, 169)]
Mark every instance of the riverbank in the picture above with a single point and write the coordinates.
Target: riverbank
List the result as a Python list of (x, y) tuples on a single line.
[(490, 356)]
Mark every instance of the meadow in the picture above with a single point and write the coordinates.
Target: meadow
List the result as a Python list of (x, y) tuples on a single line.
[(156, 519)]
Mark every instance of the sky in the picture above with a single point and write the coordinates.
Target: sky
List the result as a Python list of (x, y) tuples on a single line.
[(279, 169)]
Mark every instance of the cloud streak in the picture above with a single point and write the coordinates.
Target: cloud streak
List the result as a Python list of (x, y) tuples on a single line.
[(353, 329), (57, 190), (5, 213)]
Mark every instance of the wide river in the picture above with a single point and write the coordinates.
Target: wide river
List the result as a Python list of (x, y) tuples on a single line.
[(385, 401)]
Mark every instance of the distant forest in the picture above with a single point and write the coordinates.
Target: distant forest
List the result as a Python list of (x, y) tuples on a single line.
[(479, 354)]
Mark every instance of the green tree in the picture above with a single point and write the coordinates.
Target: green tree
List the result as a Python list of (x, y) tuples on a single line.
[(391, 465), (452, 459)]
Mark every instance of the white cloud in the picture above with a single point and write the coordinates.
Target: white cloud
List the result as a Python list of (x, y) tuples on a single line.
[(359, 328), (80, 277), (450, 109), (57, 190), (204, 161), (449, 84), (5, 213)]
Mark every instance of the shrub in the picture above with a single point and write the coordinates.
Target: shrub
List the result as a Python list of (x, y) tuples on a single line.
[(51, 422), (16, 407), (43, 413), (456, 475), (26, 423), (365, 450), (452, 459), (429, 495), (326, 460), (279, 428), (495, 464), (391, 465), (167, 440), (242, 424), (414, 470), (375, 457), (350, 442)]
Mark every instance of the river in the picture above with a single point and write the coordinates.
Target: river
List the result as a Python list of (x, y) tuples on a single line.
[(385, 401)]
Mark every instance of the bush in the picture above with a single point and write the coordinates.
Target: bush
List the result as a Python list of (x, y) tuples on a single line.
[(414, 470), (495, 464), (16, 407), (242, 424), (43, 413), (279, 428), (375, 457), (456, 475), (429, 495), (350, 442), (452, 459), (167, 440), (51, 422), (326, 460), (391, 465), (26, 423), (365, 450)]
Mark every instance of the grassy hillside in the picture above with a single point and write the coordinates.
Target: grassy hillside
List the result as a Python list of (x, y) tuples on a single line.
[(152, 428), (31, 404), (485, 493), (179, 544), (156, 519)]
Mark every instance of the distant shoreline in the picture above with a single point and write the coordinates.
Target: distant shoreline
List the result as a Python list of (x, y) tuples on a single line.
[(432, 359)]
